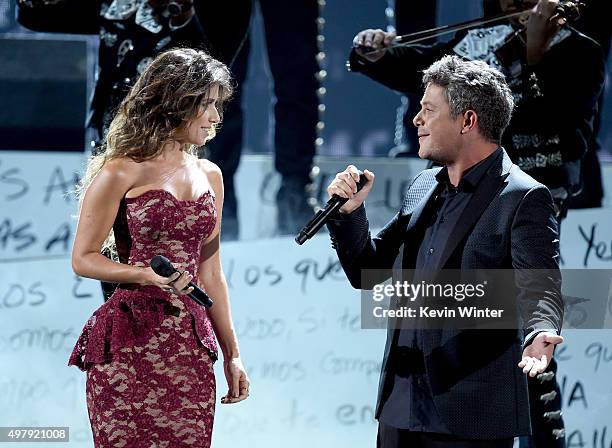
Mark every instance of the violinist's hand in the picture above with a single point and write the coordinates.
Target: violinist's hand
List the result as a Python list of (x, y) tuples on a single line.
[(542, 26), (345, 186), (378, 40)]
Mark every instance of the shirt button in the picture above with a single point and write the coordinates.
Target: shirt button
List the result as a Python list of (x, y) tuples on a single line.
[(431, 250)]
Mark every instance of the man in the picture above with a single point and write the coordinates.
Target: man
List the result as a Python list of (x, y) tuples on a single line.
[(551, 126), (479, 211)]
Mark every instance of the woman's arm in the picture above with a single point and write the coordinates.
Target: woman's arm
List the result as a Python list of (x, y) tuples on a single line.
[(212, 278), (96, 217)]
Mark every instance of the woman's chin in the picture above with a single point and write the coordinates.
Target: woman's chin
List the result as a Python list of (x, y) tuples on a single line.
[(196, 142)]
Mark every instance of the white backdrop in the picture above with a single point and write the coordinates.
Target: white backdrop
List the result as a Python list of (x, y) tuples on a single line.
[(314, 372)]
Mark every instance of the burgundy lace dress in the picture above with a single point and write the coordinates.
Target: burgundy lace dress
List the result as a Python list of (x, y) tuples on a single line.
[(148, 353)]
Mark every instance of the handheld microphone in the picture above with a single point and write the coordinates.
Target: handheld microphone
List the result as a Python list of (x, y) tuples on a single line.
[(162, 266), (323, 215)]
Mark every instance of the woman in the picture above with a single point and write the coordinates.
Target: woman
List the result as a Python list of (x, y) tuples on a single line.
[(149, 351)]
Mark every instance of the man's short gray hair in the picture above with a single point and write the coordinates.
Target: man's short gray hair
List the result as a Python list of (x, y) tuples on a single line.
[(473, 85)]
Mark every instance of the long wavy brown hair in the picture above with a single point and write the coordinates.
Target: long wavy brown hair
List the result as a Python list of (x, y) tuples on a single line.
[(159, 108)]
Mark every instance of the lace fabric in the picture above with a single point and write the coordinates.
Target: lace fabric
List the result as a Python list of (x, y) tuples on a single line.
[(158, 223)]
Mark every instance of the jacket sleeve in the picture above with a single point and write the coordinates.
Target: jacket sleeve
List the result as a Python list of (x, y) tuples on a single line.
[(357, 250), (400, 68), (535, 259), (61, 16)]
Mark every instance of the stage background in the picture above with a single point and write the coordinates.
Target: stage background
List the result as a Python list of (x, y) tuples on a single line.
[(314, 372)]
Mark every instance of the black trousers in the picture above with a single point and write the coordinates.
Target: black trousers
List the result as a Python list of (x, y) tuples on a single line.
[(291, 41), (390, 437)]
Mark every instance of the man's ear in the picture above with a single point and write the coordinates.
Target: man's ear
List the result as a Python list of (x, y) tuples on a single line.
[(470, 119)]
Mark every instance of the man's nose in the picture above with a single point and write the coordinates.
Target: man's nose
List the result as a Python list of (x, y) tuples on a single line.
[(417, 120)]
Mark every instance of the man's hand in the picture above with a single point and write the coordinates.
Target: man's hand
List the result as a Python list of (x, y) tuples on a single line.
[(345, 186), (538, 354), (542, 26), (377, 40)]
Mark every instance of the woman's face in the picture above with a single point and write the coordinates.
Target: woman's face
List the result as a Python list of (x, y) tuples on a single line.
[(201, 128)]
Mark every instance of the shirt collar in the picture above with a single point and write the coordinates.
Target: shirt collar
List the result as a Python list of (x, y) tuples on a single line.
[(472, 176)]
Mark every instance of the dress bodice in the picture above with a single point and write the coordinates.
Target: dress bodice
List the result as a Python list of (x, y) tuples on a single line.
[(159, 223), (156, 222)]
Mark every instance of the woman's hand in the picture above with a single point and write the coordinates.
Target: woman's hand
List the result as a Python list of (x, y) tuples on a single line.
[(237, 381), (177, 283)]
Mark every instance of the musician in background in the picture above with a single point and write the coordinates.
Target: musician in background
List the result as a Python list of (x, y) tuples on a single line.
[(132, 33), (556, 75), (290, 30)]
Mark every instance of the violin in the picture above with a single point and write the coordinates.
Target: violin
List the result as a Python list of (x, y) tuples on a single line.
[(566, 9), (511, 51)]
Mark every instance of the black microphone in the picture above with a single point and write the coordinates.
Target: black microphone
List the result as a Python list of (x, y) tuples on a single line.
[(323, 215), (162, 266)]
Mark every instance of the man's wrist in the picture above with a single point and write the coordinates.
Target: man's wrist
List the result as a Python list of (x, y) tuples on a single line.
[(529, 338), (348, 216), (346, 213)]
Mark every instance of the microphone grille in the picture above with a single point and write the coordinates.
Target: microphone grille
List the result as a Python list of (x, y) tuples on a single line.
[(162, 266), (362, 181)]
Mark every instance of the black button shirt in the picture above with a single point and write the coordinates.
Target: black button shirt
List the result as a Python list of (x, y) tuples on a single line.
[(410, 404)]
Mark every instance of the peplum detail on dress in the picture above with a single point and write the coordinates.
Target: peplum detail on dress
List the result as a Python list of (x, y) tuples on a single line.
[(158, 223)]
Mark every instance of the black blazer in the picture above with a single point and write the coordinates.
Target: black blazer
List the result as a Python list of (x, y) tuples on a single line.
[(478, 390)]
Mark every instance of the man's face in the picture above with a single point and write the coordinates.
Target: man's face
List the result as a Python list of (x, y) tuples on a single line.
[(439, 133)]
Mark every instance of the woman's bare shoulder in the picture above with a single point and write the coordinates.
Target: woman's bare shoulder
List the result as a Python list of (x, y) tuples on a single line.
[(212, 171), (122, 169), (209, 167), (213, 176)]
